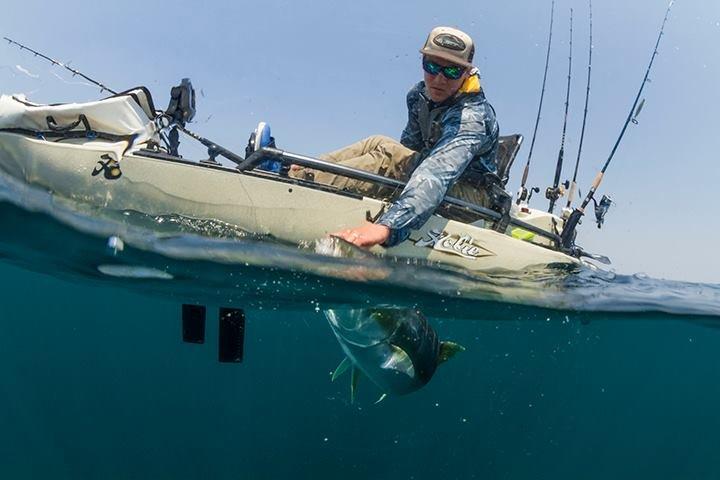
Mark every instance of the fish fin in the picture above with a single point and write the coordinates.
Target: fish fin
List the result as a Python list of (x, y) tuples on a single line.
[(382, 397), (342, 368), (448, 350), (399, 361), (354, 378)]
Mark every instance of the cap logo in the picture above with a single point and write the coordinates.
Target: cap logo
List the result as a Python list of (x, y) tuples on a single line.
[(449, 41)]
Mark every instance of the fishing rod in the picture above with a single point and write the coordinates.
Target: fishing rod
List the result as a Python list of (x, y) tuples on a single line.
[(555, 192), (523, 192), (177, 120), (573, 185), (103, 88), (568, 233)]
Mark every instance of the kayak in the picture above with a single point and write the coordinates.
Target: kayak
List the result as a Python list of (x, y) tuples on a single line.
[(113, 154)]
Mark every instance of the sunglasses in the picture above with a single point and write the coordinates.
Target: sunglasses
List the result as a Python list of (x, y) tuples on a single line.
[(452, 72)]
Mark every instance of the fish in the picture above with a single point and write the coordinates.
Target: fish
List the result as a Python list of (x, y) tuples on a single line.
[(395, 347)]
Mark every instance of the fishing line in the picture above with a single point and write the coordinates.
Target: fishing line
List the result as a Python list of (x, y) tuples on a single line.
[(26, 72), (68, 82)]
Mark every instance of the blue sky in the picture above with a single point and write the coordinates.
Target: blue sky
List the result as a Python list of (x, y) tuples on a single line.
[(326, 73)]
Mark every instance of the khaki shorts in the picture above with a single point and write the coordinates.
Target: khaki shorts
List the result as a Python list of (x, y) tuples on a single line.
[(383, 156)]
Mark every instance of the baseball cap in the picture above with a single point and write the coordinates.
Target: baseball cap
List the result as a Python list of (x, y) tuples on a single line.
[(450, 44)]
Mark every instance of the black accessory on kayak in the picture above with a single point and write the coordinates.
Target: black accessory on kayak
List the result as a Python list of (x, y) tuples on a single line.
[(568, 233), (573, 185), (523, 194), (52, 124), (556, 191), (180, 110), (214, 150), (182, 103)]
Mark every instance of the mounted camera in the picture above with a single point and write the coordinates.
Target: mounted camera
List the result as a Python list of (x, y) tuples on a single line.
[(180, 111), (182, 103)]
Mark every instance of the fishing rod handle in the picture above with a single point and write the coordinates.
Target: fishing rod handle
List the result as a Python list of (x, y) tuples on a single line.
[(571, 193), (598, 180), (526, 171)]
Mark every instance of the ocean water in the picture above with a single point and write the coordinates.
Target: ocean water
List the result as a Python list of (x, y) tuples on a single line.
[(565, 374)]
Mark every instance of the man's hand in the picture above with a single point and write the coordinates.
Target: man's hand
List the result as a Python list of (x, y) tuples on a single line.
[(365, 236)]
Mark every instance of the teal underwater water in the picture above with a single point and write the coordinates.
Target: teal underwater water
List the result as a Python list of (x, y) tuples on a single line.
[(564, 375)]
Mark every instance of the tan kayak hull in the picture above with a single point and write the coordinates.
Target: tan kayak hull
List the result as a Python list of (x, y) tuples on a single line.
[(256, 202)]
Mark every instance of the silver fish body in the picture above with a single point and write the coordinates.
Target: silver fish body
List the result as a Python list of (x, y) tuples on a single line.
[(394, 347)]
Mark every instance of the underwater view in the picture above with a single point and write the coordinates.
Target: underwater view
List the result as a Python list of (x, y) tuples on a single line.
[(584, 374), (185, 295)]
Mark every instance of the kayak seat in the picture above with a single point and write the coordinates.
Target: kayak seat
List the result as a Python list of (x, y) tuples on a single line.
[(508, 147)]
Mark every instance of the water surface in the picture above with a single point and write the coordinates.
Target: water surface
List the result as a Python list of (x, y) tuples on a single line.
[(582, 374)]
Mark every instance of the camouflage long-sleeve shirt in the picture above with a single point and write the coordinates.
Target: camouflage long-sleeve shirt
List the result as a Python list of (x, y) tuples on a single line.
[(464, 134)]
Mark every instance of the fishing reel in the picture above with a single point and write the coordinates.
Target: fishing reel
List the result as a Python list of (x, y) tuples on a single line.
[(524, 195), (601, 209), (532, 190), (553, 193)]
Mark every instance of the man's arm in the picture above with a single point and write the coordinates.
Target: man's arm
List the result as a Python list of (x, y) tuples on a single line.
[(467, 132)]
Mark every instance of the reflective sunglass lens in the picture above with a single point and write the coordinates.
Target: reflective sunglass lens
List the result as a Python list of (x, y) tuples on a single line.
[(453, 73), (431, 67)]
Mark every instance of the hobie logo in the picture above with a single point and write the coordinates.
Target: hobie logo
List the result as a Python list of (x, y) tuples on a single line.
[(448, 41), (110, 168), (462, 245)]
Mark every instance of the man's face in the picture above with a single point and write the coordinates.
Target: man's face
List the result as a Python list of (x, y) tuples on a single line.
[(439, 86)]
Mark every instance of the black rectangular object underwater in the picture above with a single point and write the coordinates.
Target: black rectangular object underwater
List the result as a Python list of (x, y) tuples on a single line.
[(193, 323), (231, 335)]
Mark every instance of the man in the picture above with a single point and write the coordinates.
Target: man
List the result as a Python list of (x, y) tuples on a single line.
[(451, 131)]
